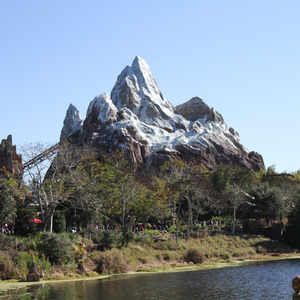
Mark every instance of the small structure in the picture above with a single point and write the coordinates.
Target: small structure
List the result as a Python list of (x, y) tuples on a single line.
[(33, 275)]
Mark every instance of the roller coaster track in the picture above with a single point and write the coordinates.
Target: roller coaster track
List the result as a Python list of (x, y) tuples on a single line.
[(40, 157)]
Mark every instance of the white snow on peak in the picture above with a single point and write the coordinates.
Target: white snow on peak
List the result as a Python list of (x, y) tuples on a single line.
[(72, 122), (73, 113), (107, 111), (137, 105), (137, 90)]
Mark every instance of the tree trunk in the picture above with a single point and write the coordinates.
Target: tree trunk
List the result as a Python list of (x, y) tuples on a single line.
[(234, 220)]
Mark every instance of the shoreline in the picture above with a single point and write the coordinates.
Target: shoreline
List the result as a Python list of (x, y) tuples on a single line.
[(10, 286)]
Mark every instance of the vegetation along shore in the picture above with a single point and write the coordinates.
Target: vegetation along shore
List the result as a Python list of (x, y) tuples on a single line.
[(91, 214)]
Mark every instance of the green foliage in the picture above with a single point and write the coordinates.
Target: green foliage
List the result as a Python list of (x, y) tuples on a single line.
[(221, 178), (194, 255), (225, 255), (24, 260), (24, 214), (225, 176), (59, 222), (292, 236), (104, 190), (144, 237), (7, 201), (111, 237), (127, 236), (8, 269), (110, 262), (58, 248), (7, 242), (270, 202)]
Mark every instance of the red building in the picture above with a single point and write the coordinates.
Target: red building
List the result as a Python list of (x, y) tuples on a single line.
[(10, 161)]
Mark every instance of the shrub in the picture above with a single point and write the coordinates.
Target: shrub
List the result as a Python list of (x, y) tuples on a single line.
[(225, 255), (80, 251), (146, 236), (260, 249), (8, 269), (167, 256), (24, 214), (183, 228), (59, 222), (172, 229), (194, 255), (58, 248), (127, 236), (197, 227), (110, 236), (111, 262), (24, 260), (6, 242), (209, 255)]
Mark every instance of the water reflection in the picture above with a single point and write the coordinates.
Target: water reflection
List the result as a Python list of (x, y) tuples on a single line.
[(261, 280)]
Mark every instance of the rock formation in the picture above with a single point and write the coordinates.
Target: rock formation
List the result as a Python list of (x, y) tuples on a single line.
[(139, 120)]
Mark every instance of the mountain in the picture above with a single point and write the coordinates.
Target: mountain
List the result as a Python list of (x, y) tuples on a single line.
[(139, 120)]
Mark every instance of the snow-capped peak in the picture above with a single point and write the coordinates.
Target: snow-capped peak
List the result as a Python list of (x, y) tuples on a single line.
[(72, 122), (140, 121), (138, 91), (104, 109)]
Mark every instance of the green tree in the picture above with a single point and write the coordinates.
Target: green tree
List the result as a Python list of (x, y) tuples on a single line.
[(271, 202), (118, 190), (293, 227), (24, 214), (7, 201), (59, 224)]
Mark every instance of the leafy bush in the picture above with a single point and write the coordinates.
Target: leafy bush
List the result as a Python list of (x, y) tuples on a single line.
[(58, 248), (183, 228), (110, 236), (24, 214), (194, 255), (167, 256), (24, 260), (8, 269), (172, 229), (225, 255), (197, 227), (6, 242), (111, 262), (146, 236), (142, 238), (93, 233), (127, 236), (59, 222)]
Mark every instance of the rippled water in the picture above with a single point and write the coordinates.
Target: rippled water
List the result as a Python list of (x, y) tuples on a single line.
[(260, 280)]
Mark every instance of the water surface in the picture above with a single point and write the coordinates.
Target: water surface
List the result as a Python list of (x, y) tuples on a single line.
[(255, 280)]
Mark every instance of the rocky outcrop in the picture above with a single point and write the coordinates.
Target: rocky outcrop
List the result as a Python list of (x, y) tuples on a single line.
[(196, 109), (72, 123), (139, 120)]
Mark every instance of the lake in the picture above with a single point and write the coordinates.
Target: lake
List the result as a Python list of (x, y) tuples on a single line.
[(251, 280)]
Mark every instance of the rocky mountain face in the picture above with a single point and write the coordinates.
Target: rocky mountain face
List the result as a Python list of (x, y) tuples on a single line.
[(137, 119)]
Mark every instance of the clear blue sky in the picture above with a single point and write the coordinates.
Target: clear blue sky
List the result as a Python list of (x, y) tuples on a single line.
[(241, 57)]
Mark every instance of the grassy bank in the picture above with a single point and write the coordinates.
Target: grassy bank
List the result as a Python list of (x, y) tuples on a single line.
[(62, 257), (218, 248)]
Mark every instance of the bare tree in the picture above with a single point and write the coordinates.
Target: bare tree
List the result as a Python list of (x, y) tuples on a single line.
[(195, 203), (51, 177), (36, 170), (237, 197)]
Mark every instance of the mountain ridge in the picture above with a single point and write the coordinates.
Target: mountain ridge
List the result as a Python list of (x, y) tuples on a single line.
[(150, 130)]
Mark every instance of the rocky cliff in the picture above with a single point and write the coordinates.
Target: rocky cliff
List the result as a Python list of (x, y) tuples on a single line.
[(139, 120)]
